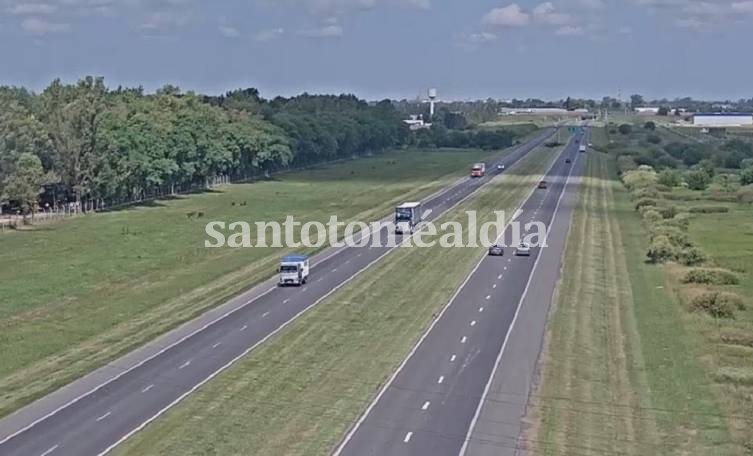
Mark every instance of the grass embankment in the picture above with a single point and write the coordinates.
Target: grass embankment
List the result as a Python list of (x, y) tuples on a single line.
[(299, 393), (620, 372), (77, 294)]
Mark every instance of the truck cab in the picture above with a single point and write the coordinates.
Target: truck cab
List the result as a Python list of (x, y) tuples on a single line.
[(407, 217), (294, 270), (478, 170)]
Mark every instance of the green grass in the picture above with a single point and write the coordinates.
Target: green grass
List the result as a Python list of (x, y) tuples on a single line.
[(621, 373), (77, 294), (299, 393)]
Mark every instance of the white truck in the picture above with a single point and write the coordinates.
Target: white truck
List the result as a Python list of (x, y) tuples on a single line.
[(294, 270), (407, 217), (582, 149)]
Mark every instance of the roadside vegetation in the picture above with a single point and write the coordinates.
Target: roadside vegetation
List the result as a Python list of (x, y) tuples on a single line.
[(673, 373), (300, 392), (81, 292)]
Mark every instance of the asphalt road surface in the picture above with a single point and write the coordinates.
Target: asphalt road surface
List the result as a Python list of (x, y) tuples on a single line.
[(429, 405), (95, 414)]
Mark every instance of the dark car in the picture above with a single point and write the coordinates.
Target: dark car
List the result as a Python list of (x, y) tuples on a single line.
[(567, 160), (496, 250), (542, 184)]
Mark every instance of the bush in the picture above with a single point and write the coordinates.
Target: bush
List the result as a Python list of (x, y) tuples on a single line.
[(697, 179), (642, 177), (669, 212), (670, 178), (645, 192), (651, 215), (650, 126), (691, 256), (644, 202), (654, 139), (709, 209), (715, 305), (745, 194), (661, 250), (711, 276), (746, 176), (681, 221), (625, 129), (626, 163), (676, 236)]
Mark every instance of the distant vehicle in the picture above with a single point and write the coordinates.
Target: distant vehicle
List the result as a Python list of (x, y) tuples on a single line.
[(500, 167), (523, 249), (496, 250), (583, 148), (478, 170), (590, 145), (294, 270), (542, 184), (407, 217), (567, 160)]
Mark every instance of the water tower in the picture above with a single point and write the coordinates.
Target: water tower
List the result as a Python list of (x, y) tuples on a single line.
[(432, 101)]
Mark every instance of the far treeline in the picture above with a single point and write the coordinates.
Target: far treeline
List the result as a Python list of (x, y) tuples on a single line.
[(103, 147)]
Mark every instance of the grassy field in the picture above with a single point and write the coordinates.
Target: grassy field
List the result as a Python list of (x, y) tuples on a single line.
[(620, 374), (300, 392), (79, 293)]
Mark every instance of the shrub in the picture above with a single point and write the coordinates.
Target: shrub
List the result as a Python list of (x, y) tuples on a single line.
[(651, 215), (626, 163), (697, 179), (670, 178), (650, 126), (675, 235), (644, 202), (681, 221), (661, 250), (642, 177), (654, 139), (711, 276), (625, 129), (745, 194), (645, 192), (709, 209), (691, 256), (711, 303), (746, 176), (669, 212)]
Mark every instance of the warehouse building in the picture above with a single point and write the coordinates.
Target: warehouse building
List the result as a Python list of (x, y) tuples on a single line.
[(723, 119)]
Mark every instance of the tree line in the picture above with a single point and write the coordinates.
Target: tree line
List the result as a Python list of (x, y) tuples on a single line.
[(96, 146)]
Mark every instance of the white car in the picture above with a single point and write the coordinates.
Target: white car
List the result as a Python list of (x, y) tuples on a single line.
[(523, 249)]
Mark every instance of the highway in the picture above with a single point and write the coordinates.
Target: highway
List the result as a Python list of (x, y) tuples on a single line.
[(96, 413), (431, 404)]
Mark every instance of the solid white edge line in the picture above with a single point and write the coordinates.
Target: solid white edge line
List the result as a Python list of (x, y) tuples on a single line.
[(392, 378), (291, 320), (497, 362)]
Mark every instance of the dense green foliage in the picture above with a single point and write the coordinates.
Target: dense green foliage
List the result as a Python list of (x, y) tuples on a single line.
[(84, 142)]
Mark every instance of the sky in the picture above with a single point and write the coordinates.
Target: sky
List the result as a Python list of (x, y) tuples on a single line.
[(467, 49)]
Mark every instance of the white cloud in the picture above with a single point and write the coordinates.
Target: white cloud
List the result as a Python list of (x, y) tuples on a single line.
[(327, 31), (269, 34), (165, 20), (569, 30), (228, 31), (33, 8), (546, 13), (41, 27), (743, 7), (509, 16)]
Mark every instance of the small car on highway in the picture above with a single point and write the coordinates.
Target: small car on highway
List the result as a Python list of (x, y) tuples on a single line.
[(523, 249), (568, 161), (496, 250), (542, 184)]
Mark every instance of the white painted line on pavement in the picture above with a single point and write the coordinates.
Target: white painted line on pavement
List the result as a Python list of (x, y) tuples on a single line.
[(499, 277), (480, 309), (217, 345), (320, 279), (186, 364), (147, 388), (473, 323), (244, 327), (265, 315), (452, 358), (426, 405), (441, 379), (286, 301), (488, 297), (463, 340), (304, 289), (407, 437), (494, 286), (104, 416), (50, 450), (334, 270)]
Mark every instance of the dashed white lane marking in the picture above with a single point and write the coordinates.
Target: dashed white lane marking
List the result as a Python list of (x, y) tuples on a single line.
[(334, 270), (462, 341), (104, 416), (265, 315), (499, 277), (286, 301), (426, 405), (473, 323), (494, 286), (50, 450), (186, 364), (407, 437), (217, 345), (452, 358), (441, 379), (244, 327), (488, 297), (147, 388), (480, 309), (304, 289), (320, 279), (505, 268)]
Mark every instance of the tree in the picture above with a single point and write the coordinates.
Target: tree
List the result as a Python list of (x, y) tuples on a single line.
[(663, 111), (625, 129), (697, 179), (669, 178), (650, 125), (23, 184), (636, 100), (746, 176)]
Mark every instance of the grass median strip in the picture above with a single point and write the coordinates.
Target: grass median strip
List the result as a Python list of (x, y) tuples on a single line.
[(299, 393), (619, 375), (85, 291)]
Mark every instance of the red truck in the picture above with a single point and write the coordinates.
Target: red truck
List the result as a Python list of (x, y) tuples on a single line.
[(478, 170)]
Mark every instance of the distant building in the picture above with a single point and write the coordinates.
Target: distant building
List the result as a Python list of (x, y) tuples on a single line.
[(723, 119), (647, 110), (416, 123)]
